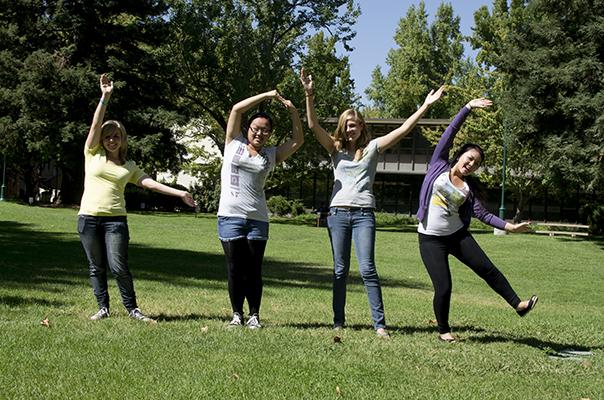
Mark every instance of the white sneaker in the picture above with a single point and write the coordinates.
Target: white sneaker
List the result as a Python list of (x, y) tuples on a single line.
[(236, 322), (137, 314), (101, 314), (253, 322)]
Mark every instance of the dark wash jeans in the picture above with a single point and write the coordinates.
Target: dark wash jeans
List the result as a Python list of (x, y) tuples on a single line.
[(105, 241)]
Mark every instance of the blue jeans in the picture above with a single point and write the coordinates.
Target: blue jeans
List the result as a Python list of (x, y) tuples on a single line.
[(234, 228), (358, 224), (105, 241)]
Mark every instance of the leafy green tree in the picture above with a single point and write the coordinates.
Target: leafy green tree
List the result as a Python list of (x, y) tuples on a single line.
[(547, 60), (53, 51), (524, 171), (426, 57), (230, 50)]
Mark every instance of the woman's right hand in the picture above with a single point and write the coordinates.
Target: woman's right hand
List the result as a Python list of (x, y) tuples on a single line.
[(480, 103), (106, 85), (306, 82)]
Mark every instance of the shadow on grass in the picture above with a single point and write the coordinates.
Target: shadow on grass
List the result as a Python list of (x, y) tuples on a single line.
[(191, 317), (545, 345), (19, 301), (56, 260)]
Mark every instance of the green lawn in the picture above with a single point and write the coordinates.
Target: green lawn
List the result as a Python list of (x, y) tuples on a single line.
[(180, 279)]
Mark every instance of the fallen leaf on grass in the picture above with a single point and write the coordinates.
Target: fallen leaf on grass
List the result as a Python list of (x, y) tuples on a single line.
[(432, 321), (235, 376), (204, 329), (45, 322), (337, 339), (338, 391)]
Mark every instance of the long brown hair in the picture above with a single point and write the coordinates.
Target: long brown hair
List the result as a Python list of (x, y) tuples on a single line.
[(110, 127), (340, 133)]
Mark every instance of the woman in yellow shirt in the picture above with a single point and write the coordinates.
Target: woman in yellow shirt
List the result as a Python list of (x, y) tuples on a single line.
[(102, 222)]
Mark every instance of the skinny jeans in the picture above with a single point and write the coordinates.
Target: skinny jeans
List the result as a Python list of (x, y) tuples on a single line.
[(105, 242), (435, 252), (346, 225)]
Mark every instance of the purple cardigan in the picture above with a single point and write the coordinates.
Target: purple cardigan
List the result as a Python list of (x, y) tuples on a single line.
[(439, 164)]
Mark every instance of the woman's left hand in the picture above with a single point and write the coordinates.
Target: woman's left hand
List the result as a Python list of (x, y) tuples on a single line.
[(287, 103), (518, 228), (188, 199)]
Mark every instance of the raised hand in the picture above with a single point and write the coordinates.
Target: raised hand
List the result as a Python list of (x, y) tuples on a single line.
[(106, 85), (306, 81), (480, 103), (434, 96), (287, 103)]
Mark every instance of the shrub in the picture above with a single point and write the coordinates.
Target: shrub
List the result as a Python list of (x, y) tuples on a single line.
[(279, 205), (296, 208)]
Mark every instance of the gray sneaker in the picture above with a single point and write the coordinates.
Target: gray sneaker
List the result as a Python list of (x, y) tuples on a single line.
[(101, 314), (137, 314), (237, 321), (253, 322)]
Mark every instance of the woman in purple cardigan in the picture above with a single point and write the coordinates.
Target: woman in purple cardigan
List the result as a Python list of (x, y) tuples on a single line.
[(448, 199)]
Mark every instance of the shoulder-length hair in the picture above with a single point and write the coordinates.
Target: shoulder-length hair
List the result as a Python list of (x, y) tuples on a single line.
[(340, 133), (110, 127)]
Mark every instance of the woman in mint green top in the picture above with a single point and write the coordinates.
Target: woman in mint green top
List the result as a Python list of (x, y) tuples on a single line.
[(102, 222)]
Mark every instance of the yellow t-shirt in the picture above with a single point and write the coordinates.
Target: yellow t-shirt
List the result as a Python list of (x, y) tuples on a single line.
[(104, 183)]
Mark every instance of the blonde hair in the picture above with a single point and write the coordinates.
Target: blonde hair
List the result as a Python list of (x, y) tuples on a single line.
[(340, 133), (109, 128)]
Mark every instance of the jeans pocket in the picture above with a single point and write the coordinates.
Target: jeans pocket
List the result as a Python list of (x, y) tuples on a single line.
[(81, 224)]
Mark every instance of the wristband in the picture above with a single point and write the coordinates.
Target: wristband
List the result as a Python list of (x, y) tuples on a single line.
[(104, 102)]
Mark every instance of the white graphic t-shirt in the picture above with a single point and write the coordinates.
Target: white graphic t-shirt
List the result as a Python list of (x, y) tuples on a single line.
[(442, 217), (242, 181)]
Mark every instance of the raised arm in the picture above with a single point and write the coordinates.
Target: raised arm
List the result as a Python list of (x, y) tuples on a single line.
[(324, 138), (94, 135), (446, 141), (234, 124), (149, 183), (288, 148), (392, 138)]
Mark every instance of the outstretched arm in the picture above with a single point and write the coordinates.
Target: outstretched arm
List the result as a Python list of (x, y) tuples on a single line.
[(288, 148), (392, 138), (321, 134), (441, 152), (149, 183), (94, 134), (234, 124)]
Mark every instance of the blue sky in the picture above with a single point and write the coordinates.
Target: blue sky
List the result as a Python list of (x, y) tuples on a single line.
[(376, 27)]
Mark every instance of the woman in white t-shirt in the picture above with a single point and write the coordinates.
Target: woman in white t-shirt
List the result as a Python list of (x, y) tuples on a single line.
[(354, 156), (243, 213)]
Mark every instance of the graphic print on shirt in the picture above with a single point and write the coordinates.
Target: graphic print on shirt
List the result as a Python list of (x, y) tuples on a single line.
[(234, 181), (446, 196)]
